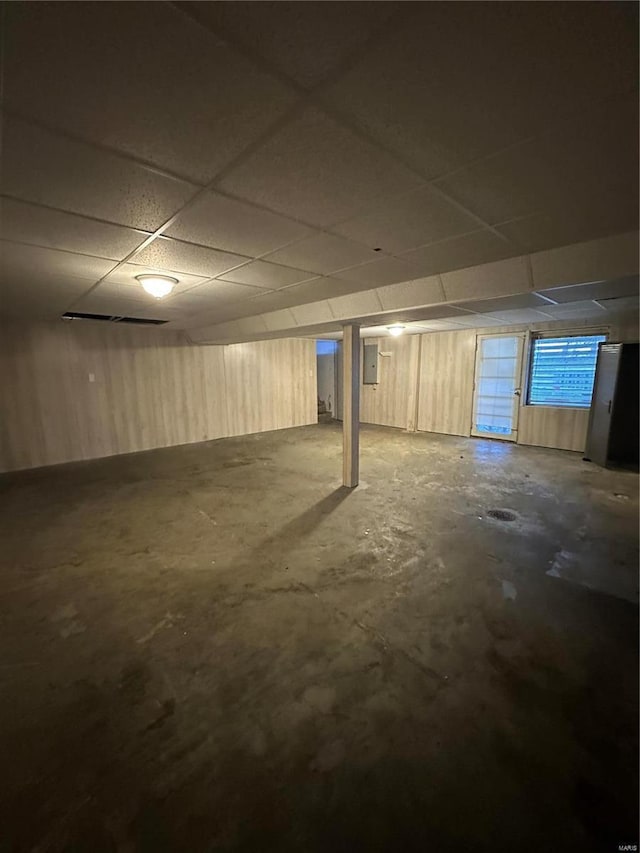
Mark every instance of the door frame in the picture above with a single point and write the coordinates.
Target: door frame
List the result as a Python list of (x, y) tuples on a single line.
[(517, 402)]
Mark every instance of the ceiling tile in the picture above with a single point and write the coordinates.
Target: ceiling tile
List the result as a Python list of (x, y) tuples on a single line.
[(598, 260), (523, 315), (274, 301), (407, 222), (336, 172), (47, 169), (620, 303), (582, 167), (19, 262), (627, 286), (323, 287), (514, 183), (126, 275), (312, 312), (520, 300), (107, 290), (475, 321), (323, 253), (469, 250), (586, 308), (263, 274), (305, 41), (502, 278), (438, 312), (185, 257), (44, 297), (420, 291), (276, 320), (384, 271), (169, 92), (447, 88), (28, 223), (214, 293), (355, 304), (234, 226)]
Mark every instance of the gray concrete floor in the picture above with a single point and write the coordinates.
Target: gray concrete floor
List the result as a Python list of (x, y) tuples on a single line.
[(216, 648)]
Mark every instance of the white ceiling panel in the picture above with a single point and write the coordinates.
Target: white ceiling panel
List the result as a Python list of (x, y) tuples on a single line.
[(52, 170), (448, 87), (28, 223), (502, 278), (107, 290), (612, 289), (571, 310), (270, 276), (381, 272), (45, 297), (356, 304), (323, 253), (276, 320), (620, 303), (19, 262), (408, 222), (167, 253), (336, 172), (585, 221), (506, 303), (523, 315), (169, 92), (214, 293), (407, 294), (225, 223), (305, 41), (323, 287), (476, 321), (273, 301), (608, 258), (569, 169), (513, 183), (103, 302), (313, 312), (459, 252)]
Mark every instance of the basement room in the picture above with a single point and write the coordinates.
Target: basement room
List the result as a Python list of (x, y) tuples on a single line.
[(319, 427)]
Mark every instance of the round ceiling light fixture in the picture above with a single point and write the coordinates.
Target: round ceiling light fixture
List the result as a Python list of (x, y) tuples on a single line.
[(157, 285), (395, 330)]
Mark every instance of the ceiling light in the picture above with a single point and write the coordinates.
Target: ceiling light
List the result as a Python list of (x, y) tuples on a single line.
[(157, 285), (395, 330)]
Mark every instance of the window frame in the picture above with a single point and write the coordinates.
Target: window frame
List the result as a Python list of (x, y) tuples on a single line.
[(534, 336)]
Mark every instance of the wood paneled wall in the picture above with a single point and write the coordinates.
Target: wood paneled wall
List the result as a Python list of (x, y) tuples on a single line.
[(391, 402), (444, 382), (71, 391), (546, 426)]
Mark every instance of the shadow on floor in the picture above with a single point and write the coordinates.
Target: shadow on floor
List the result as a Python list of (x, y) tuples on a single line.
[(302, 526)]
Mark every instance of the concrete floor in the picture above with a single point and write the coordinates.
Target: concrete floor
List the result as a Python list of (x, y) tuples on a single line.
[(215, 648)]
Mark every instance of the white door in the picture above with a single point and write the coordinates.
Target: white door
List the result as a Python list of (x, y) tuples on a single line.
[(496, 394)]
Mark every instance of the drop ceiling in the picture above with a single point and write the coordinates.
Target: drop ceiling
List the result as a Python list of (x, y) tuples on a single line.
[(282, 159)]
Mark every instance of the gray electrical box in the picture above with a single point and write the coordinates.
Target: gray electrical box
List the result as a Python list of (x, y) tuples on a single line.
[(370, 364)]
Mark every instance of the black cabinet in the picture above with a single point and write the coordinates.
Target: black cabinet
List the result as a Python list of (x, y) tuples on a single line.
[(612, 437)]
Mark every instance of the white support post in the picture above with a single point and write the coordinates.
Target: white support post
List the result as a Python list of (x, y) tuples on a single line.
[(351, 405)]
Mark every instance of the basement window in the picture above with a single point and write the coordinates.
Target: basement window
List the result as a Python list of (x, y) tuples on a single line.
[(562, 371)]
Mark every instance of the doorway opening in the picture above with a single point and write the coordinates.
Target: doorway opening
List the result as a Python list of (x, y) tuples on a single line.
[(326, 355), (496, 394)]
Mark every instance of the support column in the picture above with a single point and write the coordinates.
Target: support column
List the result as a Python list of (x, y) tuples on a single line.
[(350, 405)]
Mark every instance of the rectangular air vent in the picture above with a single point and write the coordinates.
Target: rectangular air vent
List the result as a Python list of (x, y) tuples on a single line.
[(141, 321)]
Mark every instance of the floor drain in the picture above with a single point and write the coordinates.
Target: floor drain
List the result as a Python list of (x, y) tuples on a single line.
[(502, 514)]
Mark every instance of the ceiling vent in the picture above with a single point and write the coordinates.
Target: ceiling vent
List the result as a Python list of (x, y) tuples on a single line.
[(109, 318)]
